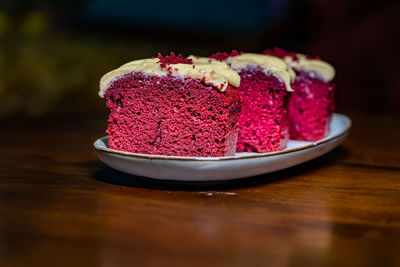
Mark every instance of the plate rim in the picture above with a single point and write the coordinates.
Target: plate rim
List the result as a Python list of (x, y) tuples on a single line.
[(260, 155)]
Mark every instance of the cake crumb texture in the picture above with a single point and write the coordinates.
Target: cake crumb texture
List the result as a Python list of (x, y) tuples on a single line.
[(224, 55), (312, 103), (311, 107), (169, 115), (263, 122)]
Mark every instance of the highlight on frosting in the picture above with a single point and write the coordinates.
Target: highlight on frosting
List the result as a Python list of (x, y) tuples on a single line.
[(323, 69), (304, 62), (217, 74), (270, 64)]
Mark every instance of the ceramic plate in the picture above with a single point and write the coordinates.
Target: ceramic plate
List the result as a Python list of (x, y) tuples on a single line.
[(241, 165)]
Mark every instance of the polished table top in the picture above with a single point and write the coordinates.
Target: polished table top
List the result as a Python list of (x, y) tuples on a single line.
[(60, 206)]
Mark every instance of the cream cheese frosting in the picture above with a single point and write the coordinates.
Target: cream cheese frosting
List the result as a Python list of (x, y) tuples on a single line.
[(322, 68), (216, 73), (269, 64)]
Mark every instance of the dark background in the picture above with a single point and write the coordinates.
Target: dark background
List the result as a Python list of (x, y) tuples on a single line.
[(53, 53)]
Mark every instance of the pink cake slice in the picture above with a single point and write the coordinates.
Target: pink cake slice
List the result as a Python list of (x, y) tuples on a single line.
[(312, 103), (263, 121), (170, 114)]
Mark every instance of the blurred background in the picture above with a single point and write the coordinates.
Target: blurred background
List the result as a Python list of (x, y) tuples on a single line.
[(53, 53)]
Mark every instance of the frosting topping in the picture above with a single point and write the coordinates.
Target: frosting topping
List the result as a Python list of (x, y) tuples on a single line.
[(269, 64), (215, 73), (322, 68)]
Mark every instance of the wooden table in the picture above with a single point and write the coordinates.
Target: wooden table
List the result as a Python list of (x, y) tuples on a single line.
[(60, 206)]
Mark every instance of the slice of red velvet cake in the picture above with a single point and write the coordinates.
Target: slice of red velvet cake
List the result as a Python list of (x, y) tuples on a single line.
[(312, 103), (169, 106), (265, 90)]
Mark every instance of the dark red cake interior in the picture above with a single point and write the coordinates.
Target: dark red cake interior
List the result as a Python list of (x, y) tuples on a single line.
[(169, 115), (263, 121), (311, 107), (312, 103)]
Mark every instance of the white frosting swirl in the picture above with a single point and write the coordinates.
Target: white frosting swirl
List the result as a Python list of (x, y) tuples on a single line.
[(217, 74), (325, 70)]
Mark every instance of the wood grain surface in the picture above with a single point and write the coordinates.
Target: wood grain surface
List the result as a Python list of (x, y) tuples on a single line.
[(60, 206)]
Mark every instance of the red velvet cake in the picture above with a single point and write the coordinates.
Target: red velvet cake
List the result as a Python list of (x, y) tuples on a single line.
[(170, 106), (312, 103), (265, 90)]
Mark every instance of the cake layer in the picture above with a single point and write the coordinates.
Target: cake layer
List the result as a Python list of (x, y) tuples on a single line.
[(172, 115), (311, 107), (312, 103), (265, 88), (263, 121)]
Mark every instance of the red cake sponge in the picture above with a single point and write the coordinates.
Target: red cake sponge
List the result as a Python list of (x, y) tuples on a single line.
[(312, 103), (263, 121), (171, 115)]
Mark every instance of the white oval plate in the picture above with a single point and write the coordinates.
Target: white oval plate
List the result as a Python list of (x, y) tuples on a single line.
[(175, 168)]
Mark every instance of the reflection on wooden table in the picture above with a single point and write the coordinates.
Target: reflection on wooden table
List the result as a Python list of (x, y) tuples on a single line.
[(60, 206)]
